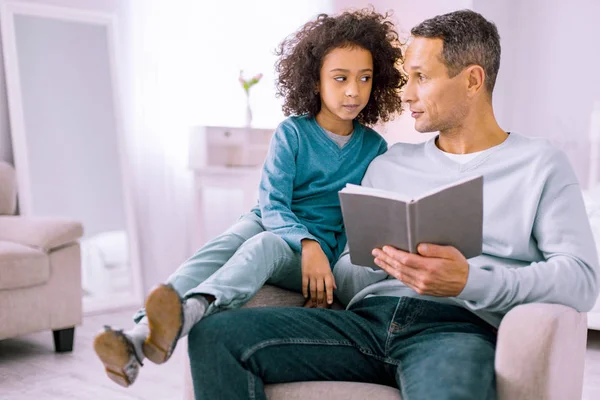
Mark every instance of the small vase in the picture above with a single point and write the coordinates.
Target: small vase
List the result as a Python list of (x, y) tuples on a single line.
[(248, 113)]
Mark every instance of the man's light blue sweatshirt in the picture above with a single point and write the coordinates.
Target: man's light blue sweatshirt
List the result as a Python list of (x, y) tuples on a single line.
[(301, 177), (537, 241)]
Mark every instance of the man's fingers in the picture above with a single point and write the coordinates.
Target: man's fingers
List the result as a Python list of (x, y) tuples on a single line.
[(436, 251), (305, 286), (398, 258), (386, 259), (395, 272), (398, 271), (390, 251)]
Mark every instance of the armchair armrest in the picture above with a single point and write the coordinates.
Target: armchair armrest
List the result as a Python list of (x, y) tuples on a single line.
[(39, 232), (8, 189), (540, 353)]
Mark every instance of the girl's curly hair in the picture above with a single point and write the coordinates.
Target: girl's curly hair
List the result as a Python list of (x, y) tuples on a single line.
[(301, 57)]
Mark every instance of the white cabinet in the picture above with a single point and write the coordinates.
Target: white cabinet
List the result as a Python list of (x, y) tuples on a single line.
[(226, 163), (221, 195), (221, 146)]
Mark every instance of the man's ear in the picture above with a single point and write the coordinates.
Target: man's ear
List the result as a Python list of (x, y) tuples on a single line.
[(475, 79)]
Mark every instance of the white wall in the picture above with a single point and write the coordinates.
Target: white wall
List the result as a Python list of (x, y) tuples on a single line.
[(216, 45), (501, 14), (548, 76)]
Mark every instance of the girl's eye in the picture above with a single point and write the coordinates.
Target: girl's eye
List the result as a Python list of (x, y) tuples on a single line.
[(340, 78), (421, 77), (365, 78)]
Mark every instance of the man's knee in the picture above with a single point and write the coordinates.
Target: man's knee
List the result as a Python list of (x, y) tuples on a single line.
[(219, 331), (211, 329)]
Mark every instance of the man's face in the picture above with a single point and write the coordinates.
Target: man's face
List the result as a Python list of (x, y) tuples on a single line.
[(345, 82), (437, 102)]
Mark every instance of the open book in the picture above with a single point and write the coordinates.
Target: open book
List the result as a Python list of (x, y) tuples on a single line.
[(450, 215)]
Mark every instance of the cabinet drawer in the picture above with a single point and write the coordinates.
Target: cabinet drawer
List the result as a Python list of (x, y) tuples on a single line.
[(228, 146), (223, 136)]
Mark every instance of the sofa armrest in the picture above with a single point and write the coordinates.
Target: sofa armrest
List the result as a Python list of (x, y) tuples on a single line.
[(39, 232), (540, 353)]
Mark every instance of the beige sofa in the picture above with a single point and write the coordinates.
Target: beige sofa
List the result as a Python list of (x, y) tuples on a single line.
[(540, 356), (40, 271)]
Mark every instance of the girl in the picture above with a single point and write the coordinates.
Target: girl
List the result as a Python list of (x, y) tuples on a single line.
[(337, 75)]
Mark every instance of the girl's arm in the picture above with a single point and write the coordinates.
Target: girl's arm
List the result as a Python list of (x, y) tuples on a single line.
[(276, 188)]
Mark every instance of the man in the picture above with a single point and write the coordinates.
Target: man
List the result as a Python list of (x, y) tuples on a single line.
[(427, 322)]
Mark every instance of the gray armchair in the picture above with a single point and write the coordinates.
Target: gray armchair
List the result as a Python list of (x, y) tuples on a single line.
[(40, 271)]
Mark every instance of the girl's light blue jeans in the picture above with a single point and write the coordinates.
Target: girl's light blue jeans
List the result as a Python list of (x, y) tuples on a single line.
[(235, 265)]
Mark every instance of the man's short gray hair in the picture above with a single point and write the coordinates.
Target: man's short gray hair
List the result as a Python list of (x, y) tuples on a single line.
[(469, 39)]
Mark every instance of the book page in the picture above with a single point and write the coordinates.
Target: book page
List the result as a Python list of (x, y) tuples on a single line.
[(384, 194), (452, 217), (446, 187), (373, 222)]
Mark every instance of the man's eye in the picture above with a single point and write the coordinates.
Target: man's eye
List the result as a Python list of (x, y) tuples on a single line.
[(421, 77), (340, 78)]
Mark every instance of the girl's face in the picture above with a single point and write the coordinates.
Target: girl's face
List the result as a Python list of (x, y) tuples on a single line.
[(344, 86)]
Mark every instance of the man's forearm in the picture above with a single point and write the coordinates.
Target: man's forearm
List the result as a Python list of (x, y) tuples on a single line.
[(560, 280)]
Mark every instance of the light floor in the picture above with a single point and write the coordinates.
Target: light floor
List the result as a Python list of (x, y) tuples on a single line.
[(30, 369)]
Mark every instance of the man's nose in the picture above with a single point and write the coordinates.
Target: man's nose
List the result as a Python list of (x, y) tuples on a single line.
[(408, 93)]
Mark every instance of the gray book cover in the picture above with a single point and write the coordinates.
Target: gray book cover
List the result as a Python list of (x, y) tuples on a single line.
[(451, 215)]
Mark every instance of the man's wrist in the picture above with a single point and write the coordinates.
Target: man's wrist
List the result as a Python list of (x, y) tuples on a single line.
[(477, 285)]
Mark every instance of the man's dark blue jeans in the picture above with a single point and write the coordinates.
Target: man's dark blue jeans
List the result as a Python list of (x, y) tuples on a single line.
[(428, 350)]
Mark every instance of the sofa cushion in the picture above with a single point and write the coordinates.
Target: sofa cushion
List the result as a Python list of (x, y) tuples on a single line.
[(330, 390), (273, 296), (22, 266)]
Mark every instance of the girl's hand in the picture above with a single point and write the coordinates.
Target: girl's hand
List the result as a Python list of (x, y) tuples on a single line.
[(316, 275), (310, 303)]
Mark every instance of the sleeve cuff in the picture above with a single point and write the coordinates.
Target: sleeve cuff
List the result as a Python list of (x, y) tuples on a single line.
[(295, 237), (477, 286)]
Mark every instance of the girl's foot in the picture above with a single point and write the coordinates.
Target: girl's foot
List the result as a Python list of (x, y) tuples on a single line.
[(164, 310), (117, 353), (169, 318)]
